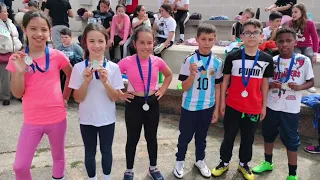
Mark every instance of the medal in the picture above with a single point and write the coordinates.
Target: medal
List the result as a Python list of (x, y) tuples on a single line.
[(204, 72), (28, 60), (244, 94), (145, 107), (284, 80), (200, 63), (285, 86), (245, 80), (94, 65)]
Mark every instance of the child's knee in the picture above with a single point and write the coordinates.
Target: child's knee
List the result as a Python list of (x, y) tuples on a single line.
[(21, 168), (291, 143)]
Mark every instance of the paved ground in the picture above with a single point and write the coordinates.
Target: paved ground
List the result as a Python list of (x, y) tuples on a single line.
[(11, 120)]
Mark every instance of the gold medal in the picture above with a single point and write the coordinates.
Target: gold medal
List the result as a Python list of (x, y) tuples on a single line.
[(204, 72), (211, 72)]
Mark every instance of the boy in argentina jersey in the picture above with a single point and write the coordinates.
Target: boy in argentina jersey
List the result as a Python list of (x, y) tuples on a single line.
[(201, 75), (293, 73), (243, 101)]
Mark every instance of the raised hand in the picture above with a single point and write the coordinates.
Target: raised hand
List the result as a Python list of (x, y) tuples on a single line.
[(18, 61)]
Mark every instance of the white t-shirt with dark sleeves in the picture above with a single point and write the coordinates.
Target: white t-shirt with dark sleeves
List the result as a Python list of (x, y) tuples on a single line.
[(97, 109), (289, 101), (165, 26)]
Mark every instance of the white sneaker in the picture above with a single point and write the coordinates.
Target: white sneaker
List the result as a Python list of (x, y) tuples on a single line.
[(178, 170), (203, 168), (312, 90)]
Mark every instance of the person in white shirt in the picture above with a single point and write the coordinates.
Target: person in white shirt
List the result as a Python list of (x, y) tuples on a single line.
[(293, 74), (181, 8), (274, 24), (97, 83), (164, 28)]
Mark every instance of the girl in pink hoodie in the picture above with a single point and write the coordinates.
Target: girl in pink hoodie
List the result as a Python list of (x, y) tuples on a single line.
[(120, 30)]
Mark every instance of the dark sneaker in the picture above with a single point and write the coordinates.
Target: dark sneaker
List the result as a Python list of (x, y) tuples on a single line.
[(312, 149), (219, 170), (180, 41), (155, 174), (6, 102), (128, 176)]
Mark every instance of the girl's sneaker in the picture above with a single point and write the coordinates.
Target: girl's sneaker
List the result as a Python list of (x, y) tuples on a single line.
[(312, 149), (178, 170), (292, 177), (155, 174), (128, 176)]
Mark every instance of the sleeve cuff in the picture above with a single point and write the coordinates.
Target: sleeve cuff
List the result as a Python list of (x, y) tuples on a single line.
[(182, 77)]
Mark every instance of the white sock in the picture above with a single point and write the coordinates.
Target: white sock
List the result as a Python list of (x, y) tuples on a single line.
[(241, 164), (94, 178), (129, 170), (106, 177), (153, 168), (182, 36)]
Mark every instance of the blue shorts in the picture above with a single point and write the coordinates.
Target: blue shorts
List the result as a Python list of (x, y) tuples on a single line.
[(285, 124)]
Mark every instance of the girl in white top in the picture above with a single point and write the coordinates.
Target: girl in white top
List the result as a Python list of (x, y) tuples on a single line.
[(164, 28), (96, 82), (140, 19)]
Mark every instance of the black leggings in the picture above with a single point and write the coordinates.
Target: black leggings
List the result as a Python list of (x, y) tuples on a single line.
[(116, 41), (135, 118), (89, 137), (162, 40), (180, 17)]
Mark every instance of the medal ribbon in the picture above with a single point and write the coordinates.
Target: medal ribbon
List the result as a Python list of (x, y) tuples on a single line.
[(146, 92), (47, 61), (96, 73), (289, 70), (208, 62), (245, 81)]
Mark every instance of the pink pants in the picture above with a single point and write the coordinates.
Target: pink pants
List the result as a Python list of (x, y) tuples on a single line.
[(30, 138)]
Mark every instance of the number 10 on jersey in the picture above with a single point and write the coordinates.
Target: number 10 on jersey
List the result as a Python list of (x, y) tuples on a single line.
[(203, 83)]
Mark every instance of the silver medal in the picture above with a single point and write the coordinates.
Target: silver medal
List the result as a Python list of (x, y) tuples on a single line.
[(145, 107), (244, 93), (28, 60), (199, 64), (94, 65)]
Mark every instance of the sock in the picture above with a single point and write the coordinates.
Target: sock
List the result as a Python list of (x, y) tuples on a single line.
[(153, 168), (268, 158), (243, 164), (292, 170), (225, 163), (129, 170), (93, 178), (182, 36), (106, 177)]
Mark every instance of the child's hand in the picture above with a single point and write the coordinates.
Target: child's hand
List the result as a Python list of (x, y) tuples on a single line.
[(222, 108), (159, 94), (215, 117), (314, 59), (110, 43), (65, 103), (267, 9), (275, 85), (18, 61), (145, 17), (121, 43), (193, 69), (263, 113), (87, 75), (126, 96), (294, 86), (103, 74)]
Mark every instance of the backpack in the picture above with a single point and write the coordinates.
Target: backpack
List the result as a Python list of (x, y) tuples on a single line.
[(196, 16), (313, 100)]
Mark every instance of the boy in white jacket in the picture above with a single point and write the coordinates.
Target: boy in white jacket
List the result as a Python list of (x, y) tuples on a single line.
[(9, 43)]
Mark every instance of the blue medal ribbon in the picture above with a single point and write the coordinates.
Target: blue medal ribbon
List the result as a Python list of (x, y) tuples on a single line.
[(208, 62), (146, 92), (282, 80), (245, 81), (36, 64), (96, 73)]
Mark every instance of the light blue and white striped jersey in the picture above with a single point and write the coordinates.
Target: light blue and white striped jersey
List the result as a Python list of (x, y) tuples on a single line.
[(202, 93)]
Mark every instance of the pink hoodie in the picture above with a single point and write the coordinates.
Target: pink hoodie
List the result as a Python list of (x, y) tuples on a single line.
[(124, 31)]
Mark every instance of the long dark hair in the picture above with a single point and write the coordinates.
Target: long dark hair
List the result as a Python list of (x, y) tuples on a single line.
[(137, 10), (92, 27), (300, 23), (28, 16)]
